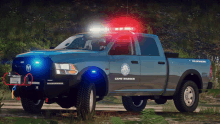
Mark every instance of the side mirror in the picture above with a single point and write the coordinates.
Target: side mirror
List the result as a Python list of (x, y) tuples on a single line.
[(52, 47)]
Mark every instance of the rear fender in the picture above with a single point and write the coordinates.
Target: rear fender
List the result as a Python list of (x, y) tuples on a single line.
[(186, 73)]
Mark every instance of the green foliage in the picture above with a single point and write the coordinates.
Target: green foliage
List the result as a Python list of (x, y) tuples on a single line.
[(1, 99), (215, 92), (32, 121), (3, 69), (149, 117), (53, 122), (117, 120), (29, 28), (210, 110)]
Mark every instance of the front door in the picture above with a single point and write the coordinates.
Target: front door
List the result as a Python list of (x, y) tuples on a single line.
[(124, 66)]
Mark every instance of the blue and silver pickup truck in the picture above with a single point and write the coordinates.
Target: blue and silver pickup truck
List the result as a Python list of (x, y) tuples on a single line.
[(86, 67)]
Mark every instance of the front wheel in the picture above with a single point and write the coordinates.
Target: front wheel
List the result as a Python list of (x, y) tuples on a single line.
[(187, 98), (134, 103), (32, 106), (86, 108)]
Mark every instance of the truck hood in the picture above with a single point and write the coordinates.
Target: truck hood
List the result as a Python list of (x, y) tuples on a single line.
[(64, 55), (54, 52)]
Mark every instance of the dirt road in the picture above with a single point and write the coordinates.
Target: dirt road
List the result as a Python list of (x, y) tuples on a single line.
[(14, 109), (103, 107)]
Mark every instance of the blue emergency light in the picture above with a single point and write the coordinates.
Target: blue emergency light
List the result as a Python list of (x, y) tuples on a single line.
[(37, 62), (93, 71)]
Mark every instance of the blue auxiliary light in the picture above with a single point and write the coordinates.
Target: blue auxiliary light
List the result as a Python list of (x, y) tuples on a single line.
[(94, 74), (93, 71), (37, 62)]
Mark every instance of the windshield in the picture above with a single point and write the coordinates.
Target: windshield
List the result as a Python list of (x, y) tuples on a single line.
[(85, 42)]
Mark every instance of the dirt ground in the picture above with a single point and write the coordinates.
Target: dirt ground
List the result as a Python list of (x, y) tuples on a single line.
[(202, 115), (11, 109)]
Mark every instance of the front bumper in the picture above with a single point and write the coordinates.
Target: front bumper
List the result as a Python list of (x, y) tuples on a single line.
[(47, 88)]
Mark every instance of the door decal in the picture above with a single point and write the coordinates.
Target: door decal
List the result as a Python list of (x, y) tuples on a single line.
[(125, 69)]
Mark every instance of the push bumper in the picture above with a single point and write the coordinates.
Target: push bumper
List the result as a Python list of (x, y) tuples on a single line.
[(59, 85), (47, 88)]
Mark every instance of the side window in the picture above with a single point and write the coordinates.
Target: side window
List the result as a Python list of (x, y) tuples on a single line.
[(122, 46), (148, 46)]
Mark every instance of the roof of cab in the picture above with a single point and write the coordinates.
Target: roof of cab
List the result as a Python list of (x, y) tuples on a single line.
[(148, 35)]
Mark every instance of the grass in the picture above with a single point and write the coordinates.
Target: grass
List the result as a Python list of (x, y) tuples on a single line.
[(207, 114), (69, 117), (19, 120), (170, 114), (111, 100), (7, 94), (210, 110), (169, 106)]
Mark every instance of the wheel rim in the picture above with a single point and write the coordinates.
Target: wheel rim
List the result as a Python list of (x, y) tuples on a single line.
[(138, 103), (37, 102), (189, 96), (91, 101)]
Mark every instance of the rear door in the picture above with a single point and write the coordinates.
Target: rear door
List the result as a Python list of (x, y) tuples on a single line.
[(153, 66), (124, 66)]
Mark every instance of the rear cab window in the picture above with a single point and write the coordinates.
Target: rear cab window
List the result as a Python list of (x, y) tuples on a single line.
[(148, 46)]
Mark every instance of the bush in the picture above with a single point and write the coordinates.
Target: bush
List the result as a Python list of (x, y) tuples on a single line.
[(3, 69)]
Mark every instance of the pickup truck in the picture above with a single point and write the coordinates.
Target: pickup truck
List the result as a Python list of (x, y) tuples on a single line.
[(86, 67)]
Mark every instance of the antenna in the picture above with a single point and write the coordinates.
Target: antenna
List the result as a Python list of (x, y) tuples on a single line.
[(127, 11), (127, 7)]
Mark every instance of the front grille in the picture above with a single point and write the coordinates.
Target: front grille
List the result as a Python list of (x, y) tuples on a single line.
[(40, 68)]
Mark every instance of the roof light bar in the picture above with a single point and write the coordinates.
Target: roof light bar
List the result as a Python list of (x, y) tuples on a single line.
[(99, 29), (128, 28), (112, 29)]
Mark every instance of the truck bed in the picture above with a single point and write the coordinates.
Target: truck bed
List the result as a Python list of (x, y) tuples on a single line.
[(177, 66)]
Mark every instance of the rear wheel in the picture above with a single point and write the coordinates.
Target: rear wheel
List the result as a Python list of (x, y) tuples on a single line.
[(32, 106), (134, 103), (186, 100)]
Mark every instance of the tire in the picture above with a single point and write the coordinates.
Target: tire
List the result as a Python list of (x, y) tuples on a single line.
[(190, 89), (86, 108), (32, 106), (135, 103), (161, 101)]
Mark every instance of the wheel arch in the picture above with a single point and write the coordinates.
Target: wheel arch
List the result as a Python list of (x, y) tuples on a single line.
[(101, 73), (190, 74)]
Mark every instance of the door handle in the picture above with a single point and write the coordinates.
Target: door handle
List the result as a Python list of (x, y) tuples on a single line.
[(161, 62), (134, 62)]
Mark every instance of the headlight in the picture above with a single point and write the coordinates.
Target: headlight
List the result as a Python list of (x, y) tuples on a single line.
[(66, 69)]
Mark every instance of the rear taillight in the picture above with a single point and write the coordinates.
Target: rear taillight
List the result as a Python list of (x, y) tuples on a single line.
[(210, 74)]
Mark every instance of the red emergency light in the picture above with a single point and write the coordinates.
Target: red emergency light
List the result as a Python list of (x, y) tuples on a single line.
[(124, 29), (112, 29), (124, 24), (117, 24)]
